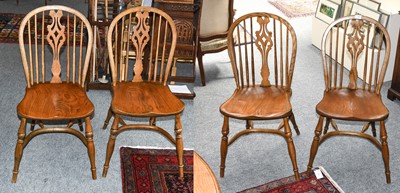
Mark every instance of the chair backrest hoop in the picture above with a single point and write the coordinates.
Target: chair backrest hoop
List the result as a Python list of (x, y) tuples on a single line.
[(57, 38), (154, 29), (273, 39), (362, 45)]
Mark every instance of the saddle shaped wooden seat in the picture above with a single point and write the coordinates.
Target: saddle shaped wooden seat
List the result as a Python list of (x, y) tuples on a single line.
[(216, 18)]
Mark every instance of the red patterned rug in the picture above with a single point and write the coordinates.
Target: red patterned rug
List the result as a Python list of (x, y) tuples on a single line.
[(155, 171), (9, 27), (313, 184), (295, 8), (9, 24)]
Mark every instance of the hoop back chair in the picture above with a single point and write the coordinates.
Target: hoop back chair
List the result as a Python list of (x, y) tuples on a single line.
[(363, 44), (262, 65), (139, 79), (55, 68), (216, 17)]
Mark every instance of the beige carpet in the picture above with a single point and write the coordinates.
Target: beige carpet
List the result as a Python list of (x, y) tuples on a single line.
[(295, 8)]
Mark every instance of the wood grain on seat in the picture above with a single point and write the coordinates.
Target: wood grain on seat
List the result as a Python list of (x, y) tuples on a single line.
[(266, 103), (349, 104), (55, 101), (145, 99)]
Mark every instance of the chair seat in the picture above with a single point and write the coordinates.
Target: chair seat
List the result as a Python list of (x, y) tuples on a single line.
[(349, 104), (49, 101), (144, 99), (258, 103)]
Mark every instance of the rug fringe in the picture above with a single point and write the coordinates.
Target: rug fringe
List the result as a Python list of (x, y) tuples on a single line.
[(330, 178), (154, 147)]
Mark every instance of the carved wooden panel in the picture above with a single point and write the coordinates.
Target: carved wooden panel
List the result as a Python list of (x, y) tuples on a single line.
[(264, 44), (183, 14), (355, 46), (56, 39), (140, 37)]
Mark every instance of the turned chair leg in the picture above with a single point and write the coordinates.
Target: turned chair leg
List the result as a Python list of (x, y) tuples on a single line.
[(373, 129), (179, 143), (109, 115), (326, 128), (249, 124), (385, 150), (224, 145), (152, 121), (90, 147), (80, 125), (111, 144), (19, 149), (291, 148), (201, 67), (293, 120), (315, 144)]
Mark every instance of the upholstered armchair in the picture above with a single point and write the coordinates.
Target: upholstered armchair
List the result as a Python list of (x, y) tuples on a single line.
[(216, 18)]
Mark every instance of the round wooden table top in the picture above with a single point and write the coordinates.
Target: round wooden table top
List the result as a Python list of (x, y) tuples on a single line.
[(204, 178)]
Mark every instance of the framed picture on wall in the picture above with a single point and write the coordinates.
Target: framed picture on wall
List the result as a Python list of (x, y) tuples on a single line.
[(370, 4), (327, 11), (339, 2), (384, 19), (362, 10), (347, 6), (359, 9), (147, 3)]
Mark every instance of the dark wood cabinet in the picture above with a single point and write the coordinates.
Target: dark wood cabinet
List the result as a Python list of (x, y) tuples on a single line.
[(186, 16), (394, 91)]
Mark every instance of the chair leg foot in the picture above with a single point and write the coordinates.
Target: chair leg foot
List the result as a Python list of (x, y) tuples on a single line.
[(388, 180), (111, 144), (19, 149), (315, 144), (222, 171), (90, 147), (94, 174), (308, 171), (105, 170), (291, 148), (385, 151), (14, 177), (179, 144), (224, 145)]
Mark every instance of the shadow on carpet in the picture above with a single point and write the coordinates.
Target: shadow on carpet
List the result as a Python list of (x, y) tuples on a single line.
[(155, 170)]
